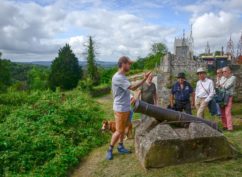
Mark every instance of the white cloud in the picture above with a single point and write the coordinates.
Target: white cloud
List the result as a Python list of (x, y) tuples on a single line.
[(29, 31), (214, 21), (119, 33), (23, 27), (38, 31)]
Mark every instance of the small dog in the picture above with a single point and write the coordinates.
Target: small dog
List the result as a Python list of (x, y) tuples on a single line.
[(111, 127)]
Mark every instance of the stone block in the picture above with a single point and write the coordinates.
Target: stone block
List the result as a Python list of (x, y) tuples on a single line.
[(160, 145)]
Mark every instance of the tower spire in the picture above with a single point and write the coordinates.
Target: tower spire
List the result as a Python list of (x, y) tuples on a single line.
[(183, 44), (230, 49), (191, 42), (207, 49), (239, 47)]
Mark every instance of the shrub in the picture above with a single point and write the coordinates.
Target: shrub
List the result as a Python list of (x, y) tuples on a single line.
[(47, 132), (100, 90)]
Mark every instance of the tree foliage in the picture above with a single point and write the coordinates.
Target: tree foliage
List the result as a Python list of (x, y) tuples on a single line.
[(158, 50), (38, 79), (5, 74), (92, 70), (107, 74), (65, 70)]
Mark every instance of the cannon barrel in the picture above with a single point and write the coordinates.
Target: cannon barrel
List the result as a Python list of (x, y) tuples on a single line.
[(168, 115)]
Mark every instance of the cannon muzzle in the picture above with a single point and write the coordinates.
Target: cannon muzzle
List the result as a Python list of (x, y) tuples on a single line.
[(168, 115)]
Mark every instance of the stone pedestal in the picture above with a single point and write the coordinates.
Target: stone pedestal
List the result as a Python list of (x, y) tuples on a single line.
[(160, 145)]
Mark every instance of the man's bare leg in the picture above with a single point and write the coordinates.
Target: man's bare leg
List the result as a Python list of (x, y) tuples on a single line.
[(115, 137), (121, 138)]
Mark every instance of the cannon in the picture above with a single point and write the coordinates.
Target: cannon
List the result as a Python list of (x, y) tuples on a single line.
[(159, 144), (168, 115)]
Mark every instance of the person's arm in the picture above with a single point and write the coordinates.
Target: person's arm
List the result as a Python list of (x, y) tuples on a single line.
[(191, 91), (211, 92), (135, 86), (193, 99), (172, 97), (132, 100), (156, 99), (172, 100), (217, 82), (155, 96), (196, 91), (139, 95), (230, 83)]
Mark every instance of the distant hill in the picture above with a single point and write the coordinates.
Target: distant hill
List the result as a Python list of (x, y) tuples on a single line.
[(104, 64)]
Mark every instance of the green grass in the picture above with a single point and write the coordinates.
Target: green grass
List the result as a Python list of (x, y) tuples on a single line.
[(47, 133)]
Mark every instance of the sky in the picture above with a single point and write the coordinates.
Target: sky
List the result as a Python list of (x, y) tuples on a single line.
[(34, 30)]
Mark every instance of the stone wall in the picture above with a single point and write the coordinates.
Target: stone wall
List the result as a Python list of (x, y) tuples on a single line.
[(169, 68), (238, 90), (164, 77)]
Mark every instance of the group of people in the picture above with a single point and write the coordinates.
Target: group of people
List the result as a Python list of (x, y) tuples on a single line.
[(182, 98), (205, 95)]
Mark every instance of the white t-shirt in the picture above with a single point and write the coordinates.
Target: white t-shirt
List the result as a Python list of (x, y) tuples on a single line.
[(121, 93)]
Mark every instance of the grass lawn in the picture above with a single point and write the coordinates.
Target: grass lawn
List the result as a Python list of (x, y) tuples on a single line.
[(95, 164)]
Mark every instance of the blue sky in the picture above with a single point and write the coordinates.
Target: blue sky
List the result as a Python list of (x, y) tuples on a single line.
[(32, 30)]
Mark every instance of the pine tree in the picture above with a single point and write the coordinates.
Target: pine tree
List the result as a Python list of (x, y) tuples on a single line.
[(65, 70), (5, 73), (92, 69)]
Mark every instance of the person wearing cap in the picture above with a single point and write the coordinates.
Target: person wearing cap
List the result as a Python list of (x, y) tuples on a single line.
[(147, 92), (121, 105), (227, 83), (180, 95), (204, 92)]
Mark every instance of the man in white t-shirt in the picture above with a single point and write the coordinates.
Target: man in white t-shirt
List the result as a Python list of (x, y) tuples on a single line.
[(204, 92), (121, 104)]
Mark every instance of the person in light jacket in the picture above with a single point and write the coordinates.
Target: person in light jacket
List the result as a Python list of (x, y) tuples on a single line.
[(228, 83)]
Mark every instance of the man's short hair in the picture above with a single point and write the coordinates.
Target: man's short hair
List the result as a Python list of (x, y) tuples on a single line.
[(123, 60)]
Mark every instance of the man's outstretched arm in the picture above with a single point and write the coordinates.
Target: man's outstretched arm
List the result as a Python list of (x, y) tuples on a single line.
[(136, 86)]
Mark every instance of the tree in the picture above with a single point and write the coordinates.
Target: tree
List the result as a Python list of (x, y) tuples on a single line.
[(92, 70), (65, 70), (159, 48), (37, 78), (5, 74)]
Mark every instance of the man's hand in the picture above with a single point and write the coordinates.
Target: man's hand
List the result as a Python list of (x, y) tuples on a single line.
[(146, 75), (132, 101), (137, 85), (193, 105), (172, 105)]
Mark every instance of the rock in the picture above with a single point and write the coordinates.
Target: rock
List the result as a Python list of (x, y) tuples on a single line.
[(160, 145), (146, 124)]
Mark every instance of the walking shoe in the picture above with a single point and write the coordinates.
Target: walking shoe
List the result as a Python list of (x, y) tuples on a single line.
[(109, 155), (122, 150)]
